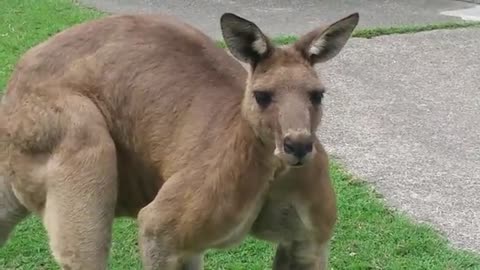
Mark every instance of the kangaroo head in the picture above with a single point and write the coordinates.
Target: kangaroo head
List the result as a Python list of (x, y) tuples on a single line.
[(283, 95)]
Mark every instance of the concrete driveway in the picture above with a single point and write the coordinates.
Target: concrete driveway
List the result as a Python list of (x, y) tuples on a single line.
[(402, 112), (289, 16)]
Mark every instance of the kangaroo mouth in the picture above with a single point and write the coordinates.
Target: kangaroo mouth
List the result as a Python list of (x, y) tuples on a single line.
[(298, 164), (290, 160)]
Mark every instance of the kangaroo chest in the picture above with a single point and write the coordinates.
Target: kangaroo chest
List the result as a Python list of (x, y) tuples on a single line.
[(241, 229)]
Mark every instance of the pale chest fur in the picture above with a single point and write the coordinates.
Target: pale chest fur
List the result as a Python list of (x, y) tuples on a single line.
[(285, 215), (238, 233), (249, 214)]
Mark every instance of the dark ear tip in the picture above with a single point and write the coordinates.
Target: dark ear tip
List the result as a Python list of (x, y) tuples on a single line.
[(354, 16), (227, 16)]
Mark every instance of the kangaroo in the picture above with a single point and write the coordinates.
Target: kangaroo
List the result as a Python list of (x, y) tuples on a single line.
[(145, 116)]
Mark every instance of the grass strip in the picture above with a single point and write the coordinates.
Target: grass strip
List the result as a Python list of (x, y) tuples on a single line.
[(383, 31)]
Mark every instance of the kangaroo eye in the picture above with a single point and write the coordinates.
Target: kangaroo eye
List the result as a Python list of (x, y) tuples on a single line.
[(316, 97), (263, 98)]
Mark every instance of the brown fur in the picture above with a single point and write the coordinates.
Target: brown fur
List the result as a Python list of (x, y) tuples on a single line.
[(144, 116)]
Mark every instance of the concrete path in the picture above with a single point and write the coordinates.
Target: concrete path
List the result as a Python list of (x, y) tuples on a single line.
[(290, 16), (403, 111)]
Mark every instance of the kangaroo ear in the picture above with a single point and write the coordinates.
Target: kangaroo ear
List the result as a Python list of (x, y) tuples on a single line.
[(324, 43), (244, 39)]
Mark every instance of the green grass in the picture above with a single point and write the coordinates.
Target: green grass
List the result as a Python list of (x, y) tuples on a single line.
[(368, 235), (407, 29), (24, 23)]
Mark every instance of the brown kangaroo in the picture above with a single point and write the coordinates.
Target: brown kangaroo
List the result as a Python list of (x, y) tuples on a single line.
[(145, 116)]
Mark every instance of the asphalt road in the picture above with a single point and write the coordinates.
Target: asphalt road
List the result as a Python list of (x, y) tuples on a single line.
[(402, 111), (289, 16)]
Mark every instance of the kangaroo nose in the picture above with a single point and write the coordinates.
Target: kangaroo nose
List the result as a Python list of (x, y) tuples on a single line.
[(297, 148)]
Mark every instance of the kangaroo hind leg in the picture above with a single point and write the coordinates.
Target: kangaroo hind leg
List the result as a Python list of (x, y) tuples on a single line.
[(82, 193)]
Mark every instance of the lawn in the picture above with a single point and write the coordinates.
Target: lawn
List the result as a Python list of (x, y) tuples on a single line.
[(368, 235)]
